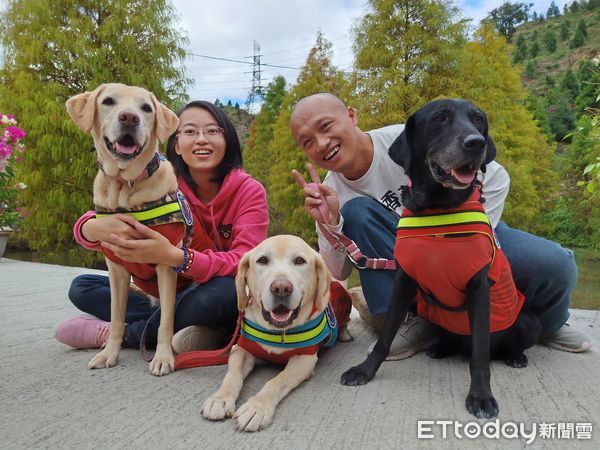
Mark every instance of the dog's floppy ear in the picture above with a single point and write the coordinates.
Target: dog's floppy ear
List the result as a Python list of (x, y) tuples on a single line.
[(166, 120), (401, 150), (82, 108), (240, 282), (323, 283), (490, 152)]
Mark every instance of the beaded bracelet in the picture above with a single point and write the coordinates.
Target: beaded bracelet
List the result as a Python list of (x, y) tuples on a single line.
[(188, 258)]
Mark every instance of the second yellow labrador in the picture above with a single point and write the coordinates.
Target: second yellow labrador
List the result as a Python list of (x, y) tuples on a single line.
[(283, 286)]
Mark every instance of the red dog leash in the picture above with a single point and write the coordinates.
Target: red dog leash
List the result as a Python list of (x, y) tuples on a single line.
[(202, 358)]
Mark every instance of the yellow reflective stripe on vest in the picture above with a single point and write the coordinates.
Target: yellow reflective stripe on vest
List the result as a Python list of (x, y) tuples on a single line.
[(149, 214), (287, 338), (443, 219)]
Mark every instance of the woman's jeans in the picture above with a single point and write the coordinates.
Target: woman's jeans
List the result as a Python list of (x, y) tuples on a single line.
[(212, 304), (543, 271)]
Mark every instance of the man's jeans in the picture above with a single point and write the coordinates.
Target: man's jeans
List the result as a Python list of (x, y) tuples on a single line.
[(543, 271), (211, 304)]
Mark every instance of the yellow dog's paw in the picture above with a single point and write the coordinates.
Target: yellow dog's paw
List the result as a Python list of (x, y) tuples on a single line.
[(254, 415), (104, 359), (218, 407), (162, 364)]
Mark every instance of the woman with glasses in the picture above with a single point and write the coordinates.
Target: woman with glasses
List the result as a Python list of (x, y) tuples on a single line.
[(229, 207)]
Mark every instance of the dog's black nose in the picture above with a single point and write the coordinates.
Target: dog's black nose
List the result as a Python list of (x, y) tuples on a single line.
[(281, 288), (475, 142), (128, 119)]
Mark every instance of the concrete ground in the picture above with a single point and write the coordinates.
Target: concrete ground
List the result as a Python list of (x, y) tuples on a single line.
[(49, 399)]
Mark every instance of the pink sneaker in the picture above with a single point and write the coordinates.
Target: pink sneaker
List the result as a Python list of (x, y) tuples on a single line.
[(83, 332)]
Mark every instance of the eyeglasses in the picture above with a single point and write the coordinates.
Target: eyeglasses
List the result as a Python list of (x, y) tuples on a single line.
[(193, 133)]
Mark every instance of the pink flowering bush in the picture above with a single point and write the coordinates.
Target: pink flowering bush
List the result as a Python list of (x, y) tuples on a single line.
[(11, 148)]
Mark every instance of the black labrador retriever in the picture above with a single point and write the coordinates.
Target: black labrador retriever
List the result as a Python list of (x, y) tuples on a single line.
[(442, 147)]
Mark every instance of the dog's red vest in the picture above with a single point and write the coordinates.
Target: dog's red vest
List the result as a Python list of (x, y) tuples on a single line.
[(442, 266), (180, 225)]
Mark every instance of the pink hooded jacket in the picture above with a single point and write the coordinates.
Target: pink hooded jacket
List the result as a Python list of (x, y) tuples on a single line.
[(236, 221)]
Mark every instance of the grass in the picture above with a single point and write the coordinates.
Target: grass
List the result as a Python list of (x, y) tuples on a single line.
[(587, 291)]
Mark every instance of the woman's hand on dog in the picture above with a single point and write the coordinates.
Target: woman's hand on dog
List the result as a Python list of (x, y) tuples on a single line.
[(150, 247), (95, 230), (320, 201)]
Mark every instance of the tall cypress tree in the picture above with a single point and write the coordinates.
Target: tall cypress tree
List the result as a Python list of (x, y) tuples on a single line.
[(257, 160), (406, 52), (490, 81), (54, 49), (285, 198)]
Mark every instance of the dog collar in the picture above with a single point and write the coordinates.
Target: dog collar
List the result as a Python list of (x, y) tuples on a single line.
[(150, 168), (321, 328)]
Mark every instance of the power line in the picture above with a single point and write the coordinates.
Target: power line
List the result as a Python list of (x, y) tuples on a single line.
[(241, 62)]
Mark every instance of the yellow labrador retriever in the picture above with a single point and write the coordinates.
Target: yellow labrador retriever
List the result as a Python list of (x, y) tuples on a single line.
[(283, 287), (127, 124)]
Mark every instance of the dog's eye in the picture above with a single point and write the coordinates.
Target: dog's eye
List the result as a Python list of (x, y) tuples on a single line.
[(263, 260), (478, 120), (108, 101), (147, 108), (439, 117), (299, 261)]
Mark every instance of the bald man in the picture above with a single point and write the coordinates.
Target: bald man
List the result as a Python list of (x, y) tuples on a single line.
[(362, 194)]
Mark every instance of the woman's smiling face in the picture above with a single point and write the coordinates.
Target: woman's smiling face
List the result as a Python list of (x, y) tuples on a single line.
[(200, 141)]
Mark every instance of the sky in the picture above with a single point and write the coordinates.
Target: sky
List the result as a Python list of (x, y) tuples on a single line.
[(285, 30)]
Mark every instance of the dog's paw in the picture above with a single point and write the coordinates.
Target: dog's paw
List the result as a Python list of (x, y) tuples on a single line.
[(356, 376), (162, 364), (218, 407), (254, 415), (518, 362), (104, 359), (344, 335), (482, 407)]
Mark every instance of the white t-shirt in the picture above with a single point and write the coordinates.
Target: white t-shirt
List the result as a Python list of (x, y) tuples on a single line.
[(383, 181)]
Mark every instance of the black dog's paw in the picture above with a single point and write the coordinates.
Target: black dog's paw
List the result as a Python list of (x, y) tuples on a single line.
[(482, 408), (438, 351), (517, 362), (356, 376)]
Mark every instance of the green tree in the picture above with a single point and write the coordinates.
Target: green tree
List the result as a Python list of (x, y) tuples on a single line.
[(520, 53), (550, 41), (53, 49), (553, 10), (490, 80), (507, 16), (565, 28), (535, 49), (578, 39), (570, 85), (406, 54), (257, 159), (583, 27), (560, 114), (589, 75), (285, 198), (530, 69), (581, 205), (574, 7)]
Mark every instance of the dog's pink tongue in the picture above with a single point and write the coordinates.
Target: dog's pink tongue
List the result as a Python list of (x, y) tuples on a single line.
[(464, 177), (126, 149)]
